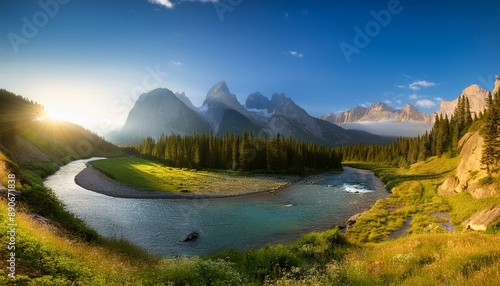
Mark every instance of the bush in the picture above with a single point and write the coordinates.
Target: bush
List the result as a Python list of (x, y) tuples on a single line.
[(494, 227), (486, 181)]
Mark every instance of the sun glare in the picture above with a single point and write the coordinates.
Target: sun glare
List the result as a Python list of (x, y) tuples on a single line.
[(56, 115)]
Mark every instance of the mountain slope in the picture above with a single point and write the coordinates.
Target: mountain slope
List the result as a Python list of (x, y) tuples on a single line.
[(159, 112)]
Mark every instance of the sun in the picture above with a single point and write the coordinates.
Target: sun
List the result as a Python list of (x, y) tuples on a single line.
[(56, 115)]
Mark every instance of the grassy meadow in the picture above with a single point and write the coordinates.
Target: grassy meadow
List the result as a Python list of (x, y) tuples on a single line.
[(49, 254), (149, 175)]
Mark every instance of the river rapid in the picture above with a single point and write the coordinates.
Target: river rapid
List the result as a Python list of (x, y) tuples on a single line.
[(159, 225)]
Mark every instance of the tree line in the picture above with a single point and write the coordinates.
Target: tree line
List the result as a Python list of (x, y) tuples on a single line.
[(442, 139), (244, 152)]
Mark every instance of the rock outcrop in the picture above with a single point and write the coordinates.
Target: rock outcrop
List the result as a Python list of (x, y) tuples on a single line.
[(483, 218), (477, 99), (352, 220), (469, 170)]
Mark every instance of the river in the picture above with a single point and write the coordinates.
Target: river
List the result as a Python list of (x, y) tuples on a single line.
[(159, 225)]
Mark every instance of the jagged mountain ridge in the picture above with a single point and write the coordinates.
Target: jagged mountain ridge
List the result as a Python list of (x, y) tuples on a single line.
[(477, 99), (378, 112), (160, 111), (381, 112)]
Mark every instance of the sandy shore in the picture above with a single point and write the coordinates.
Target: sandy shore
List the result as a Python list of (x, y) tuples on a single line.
[(92, 179)]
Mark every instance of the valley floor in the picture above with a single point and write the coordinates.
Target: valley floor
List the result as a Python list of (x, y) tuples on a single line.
[(139, 178)]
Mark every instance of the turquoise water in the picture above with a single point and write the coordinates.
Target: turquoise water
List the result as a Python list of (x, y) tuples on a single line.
[(159, 225)]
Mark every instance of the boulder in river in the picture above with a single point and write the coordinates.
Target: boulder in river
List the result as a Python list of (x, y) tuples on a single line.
[(192, 236)]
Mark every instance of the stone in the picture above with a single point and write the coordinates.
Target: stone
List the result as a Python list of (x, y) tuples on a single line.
[(192, 236), (483, 218)]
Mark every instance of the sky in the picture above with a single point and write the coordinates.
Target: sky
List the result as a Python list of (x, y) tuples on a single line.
[(87, 61)]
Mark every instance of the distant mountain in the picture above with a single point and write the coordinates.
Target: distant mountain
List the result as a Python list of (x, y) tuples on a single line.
[(221, 105), (378, 112), (160, 111), (379, 118), (257, 101), (477, 100)]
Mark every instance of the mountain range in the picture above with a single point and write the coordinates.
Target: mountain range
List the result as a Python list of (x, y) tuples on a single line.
[(162, 111), (379, 118)]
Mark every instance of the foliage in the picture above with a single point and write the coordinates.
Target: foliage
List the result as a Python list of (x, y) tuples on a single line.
[(414, 199), (491, 134), (240, 153)]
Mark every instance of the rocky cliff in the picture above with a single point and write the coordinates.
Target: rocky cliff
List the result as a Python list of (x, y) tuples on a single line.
[(477, 99), (469, 171)]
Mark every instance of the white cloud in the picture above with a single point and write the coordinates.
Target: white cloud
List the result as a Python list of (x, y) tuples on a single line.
[(416, 85), (170, 4), (296, 54), (400, 86), (438, 98), (175, 63), (414, 96), (425, 103), (165, 3), (387, 101)]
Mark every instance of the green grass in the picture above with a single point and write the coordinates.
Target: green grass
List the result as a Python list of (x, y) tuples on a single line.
[(149, 175), (414, 195), (428, 256)]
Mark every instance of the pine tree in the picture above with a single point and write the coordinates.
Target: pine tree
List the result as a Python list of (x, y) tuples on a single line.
[(491, 135)]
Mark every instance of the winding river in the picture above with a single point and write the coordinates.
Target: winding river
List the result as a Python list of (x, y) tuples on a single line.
[(159, 225)]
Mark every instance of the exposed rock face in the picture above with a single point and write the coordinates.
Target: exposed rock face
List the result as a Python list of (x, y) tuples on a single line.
[(469, 170), (378, 112), (483, 218), (257, 101), (477, 100)]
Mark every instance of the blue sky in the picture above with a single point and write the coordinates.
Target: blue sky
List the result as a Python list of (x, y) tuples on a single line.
[(87, 61)]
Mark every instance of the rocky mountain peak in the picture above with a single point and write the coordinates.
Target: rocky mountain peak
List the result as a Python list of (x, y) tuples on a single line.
[(257, 101), (476, 95), (380, 106), (182, 96), (220, 92), (276, 100)]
